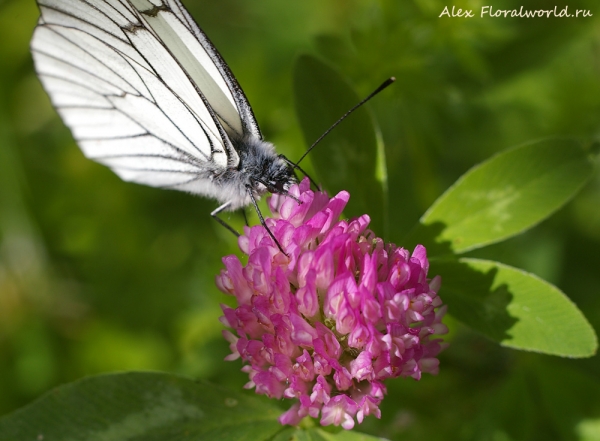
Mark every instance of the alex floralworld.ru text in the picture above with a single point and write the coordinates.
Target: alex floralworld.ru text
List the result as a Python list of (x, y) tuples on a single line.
[(489, 11)]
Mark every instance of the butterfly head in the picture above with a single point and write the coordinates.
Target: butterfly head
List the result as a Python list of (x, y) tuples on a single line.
[(265, 170), (279, 177)]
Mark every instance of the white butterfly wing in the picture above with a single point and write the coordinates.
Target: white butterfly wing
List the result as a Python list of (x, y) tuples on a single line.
[(244, 109), (142, 89)]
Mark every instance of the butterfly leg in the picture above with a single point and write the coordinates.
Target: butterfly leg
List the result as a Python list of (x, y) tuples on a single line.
[(221, 221), (262, 219), (245, 217)]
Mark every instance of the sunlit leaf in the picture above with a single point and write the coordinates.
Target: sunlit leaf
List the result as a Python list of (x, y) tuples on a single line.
[(504, 196), (515, 308)]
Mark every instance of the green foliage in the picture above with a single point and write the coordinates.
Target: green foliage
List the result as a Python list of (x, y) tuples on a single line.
[(142, 406), (504, 196), (347, 158), (99, 275), (153, 407), (314, 434), (515, 308)]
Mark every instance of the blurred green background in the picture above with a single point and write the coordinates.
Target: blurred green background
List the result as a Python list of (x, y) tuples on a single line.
[(99, 275)]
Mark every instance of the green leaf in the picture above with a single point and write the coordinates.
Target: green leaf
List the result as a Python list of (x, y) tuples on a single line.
[(141, 406), (347, 158), (316, 434), (515, 308), (504, 196), (320, 434)]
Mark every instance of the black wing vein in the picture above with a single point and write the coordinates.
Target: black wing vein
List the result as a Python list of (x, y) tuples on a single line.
[(127, 85)]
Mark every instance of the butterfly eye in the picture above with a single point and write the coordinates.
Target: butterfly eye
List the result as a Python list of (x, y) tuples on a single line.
[(279, 186)]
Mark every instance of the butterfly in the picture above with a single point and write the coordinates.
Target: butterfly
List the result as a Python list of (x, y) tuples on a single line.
[(145, 92)]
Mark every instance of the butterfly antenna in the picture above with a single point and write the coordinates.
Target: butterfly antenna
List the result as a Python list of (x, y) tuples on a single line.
[(383, 85), (296, 166)]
